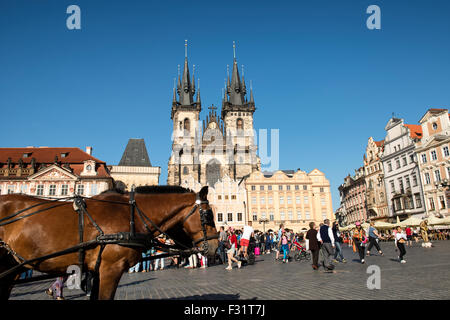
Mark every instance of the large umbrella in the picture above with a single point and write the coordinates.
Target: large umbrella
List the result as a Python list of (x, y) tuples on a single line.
[(432, 220), (384, 225), (411, 221)]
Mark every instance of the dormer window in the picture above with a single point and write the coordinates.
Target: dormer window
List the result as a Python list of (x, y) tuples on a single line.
[(27, 155), (435, 126), (64, 155)]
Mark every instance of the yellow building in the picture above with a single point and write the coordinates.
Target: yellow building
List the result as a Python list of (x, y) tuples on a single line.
[(294, 198)]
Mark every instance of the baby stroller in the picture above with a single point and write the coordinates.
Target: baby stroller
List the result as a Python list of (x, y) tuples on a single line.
[(300, 252), (251, 253)]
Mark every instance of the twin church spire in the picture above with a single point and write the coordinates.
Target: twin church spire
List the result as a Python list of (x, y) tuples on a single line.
[(234, 94)]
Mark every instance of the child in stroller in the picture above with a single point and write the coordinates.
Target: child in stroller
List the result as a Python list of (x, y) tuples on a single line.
[(300, 252)]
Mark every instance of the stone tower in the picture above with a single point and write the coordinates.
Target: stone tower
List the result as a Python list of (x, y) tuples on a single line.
[(185, 116)]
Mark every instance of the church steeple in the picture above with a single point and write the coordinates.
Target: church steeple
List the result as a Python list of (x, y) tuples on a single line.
[(235, 89), (186, 89)]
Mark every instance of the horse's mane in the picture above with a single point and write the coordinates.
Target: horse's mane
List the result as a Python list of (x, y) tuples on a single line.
[(162, 189), (150, 189)]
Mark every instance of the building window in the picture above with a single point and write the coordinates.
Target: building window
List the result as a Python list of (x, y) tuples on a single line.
[(324, 215), (424, 158), (271, 216), (322, 190), (297, 187), (281, 200), (427, 178), (230, 216), (418, 201), (40, 190), (305, 187), (389, 166), (11, 189), (226, 197), (299, 215), (392, 186), (297, 199), (255, 217), (219, 197), (64, 190), (408, 184), (280, 187), (411, 158), (305, 200), (253, 200), (414, 177), (94, 189), (219, 217), (233, 197), (23, 189), (269, 188), (435, 126), (52, 190), (445, 151), (433, 155), (270, 200), (288, 187), (185, 170), (322, 201), (437, 175), (442, 201), (290, 215), (431, 201), (289, 200), (282, 215), (253, 188), (80, 189), (239, 216), (261, 187), (263, 215), (397, 163), (404, 161), (307, 215), (263, 200)]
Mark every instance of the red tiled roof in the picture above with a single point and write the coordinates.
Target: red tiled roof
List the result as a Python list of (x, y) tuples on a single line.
[(74, 158), (45, 155), (415, 131), (379, 143)]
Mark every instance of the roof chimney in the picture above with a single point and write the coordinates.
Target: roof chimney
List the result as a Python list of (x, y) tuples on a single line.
[(89, 150)]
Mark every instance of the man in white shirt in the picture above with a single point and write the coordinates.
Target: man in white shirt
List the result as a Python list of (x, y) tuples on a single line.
[(245, 239)]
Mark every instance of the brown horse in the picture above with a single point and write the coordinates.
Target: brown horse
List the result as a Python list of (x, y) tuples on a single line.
[(56, 229)]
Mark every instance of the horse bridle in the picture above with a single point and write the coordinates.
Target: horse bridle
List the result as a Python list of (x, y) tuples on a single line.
[(206, 219)]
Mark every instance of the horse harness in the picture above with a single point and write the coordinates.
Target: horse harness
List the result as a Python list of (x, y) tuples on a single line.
[(127, 239)]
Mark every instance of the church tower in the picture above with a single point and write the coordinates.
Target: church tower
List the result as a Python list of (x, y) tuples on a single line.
[(185, 115), (237, 114)]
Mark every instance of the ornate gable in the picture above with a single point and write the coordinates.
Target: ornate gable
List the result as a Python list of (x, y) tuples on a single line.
[(53, 173)]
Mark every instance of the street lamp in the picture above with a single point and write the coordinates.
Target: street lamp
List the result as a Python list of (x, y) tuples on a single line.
[(264, 221)]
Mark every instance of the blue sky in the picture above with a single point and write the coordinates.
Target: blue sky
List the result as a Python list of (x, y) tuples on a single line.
[(319, 75)]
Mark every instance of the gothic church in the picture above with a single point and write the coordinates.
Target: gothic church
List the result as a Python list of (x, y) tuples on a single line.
[(222, 145)]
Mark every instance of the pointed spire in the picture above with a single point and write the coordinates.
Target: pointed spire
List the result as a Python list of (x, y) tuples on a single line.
[(235, 89), (198, 92), (186, 91), (251, 92), (174, 100)]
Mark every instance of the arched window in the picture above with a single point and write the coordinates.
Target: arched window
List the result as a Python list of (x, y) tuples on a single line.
[(239, 124), (187, 125)]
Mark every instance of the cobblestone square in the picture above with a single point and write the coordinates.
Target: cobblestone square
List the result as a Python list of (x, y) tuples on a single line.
[(425, 276)]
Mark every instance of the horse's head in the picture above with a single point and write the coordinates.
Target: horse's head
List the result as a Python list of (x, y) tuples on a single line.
[(199, 224)]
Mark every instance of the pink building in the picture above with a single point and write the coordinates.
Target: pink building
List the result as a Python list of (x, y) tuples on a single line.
[(353, 197)]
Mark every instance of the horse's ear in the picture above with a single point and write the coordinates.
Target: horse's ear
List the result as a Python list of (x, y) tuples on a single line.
[(203, 194)]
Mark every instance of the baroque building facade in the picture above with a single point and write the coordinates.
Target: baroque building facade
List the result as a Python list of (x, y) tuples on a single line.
[(353, 198), (401, 170), (294, 198), (434, 160), (377, 207), (52, 172), (220, 145), (135, 167)]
